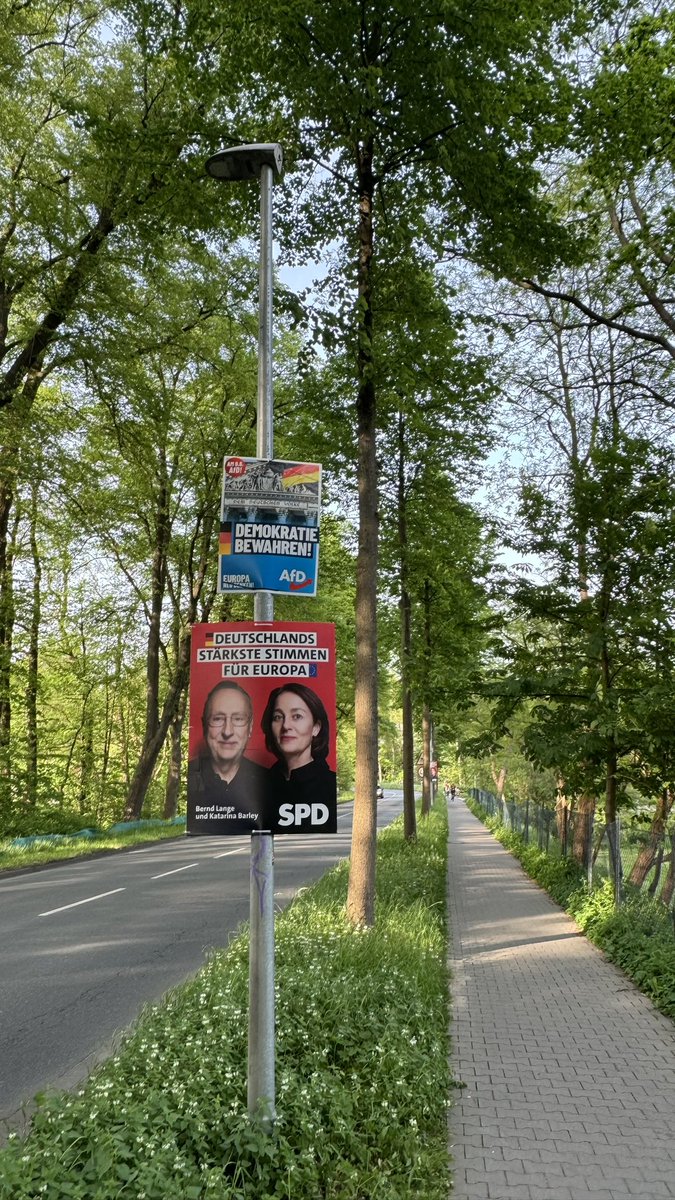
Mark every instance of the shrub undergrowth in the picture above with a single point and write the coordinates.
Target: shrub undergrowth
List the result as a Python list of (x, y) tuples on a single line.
[(638, 936), (362, 1065)]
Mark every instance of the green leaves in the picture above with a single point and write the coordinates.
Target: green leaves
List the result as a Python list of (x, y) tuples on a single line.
[(603, 617), (627, 106)]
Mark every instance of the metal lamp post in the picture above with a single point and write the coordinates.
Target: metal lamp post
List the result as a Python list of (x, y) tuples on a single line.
[(242, 163)]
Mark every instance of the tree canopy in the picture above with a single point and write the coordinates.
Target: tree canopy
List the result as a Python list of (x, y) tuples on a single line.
[(489, 194)]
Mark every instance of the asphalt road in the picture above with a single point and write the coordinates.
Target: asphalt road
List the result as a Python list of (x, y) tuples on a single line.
[(84, 946)]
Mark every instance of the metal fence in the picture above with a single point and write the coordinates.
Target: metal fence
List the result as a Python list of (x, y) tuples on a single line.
[(625, 854)]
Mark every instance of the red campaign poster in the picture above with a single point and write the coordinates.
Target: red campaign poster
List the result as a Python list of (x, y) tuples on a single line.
[(262, 728)]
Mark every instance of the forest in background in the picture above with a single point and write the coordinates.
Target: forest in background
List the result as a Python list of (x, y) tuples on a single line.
[(513, 312)]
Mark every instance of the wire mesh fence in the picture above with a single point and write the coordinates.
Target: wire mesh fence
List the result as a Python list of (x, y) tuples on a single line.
[(628, 855)]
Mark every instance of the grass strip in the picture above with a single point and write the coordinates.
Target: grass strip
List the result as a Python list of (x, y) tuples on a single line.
[(638, 936), (16, 857), (362, 1065)]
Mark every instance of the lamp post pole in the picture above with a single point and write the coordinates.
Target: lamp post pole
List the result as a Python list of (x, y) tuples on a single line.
[(261, 1081), (237, 163)]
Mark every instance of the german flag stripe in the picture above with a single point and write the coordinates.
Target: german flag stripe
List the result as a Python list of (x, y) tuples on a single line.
[(303, 473)]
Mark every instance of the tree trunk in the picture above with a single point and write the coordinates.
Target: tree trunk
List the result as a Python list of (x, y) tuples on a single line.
[(361, 892), (152, 746), (175, 760), (583, 829), (108, 718), (611, 811), (6, 626), (426, 760), (611, 787), (409, 808), (409, 814), (33, 657), (173, 775), (647, 856), (162, 535), (499, 780), (562, 814), (87, 758), (13, 425), (426, 711), (152, 741), (27, 366), (598, 844), (611, 755), (669, 885), (124, 742), (174, 702), (654, 885)]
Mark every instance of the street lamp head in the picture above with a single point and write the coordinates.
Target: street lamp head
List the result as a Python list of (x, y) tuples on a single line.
[(245, 162)]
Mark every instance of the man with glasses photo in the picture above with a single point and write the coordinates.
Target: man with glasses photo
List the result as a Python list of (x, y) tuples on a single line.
[(226, 790)]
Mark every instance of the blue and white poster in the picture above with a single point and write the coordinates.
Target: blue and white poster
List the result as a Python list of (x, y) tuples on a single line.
[(269, 527)]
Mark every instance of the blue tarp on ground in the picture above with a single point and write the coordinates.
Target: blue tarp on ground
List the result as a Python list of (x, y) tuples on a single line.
[(151, 823), (55, 837)]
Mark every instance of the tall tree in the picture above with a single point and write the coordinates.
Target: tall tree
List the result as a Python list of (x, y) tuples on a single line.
[(595, 660), (107, 115), (434, 398), (410, 111), (582, 391), (151, 491)]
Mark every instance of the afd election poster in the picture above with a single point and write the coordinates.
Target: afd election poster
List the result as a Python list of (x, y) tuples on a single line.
[(269, 527), (262, 748)]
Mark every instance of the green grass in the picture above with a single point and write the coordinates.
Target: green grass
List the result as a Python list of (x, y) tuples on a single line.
[(13, 857), (638, 937), (362, 1065)]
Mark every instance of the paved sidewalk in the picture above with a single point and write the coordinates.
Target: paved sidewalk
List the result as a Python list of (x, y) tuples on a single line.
[(569, 1070)]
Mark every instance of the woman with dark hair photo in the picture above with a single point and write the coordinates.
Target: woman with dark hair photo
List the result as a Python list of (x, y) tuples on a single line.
[(297, 732)]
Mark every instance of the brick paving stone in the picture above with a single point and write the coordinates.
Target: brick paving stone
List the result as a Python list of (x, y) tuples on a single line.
[(569, 1070)]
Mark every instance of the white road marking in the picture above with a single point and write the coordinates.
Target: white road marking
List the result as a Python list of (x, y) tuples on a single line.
[(89, 899), (175, 871), (226, 852)]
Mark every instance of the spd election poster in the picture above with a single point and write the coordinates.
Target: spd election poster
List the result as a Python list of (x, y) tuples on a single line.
[(269, 526), (262, 728)]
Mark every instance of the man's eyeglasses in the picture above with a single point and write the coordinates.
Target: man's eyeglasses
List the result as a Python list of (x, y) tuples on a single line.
[(238, 720)]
